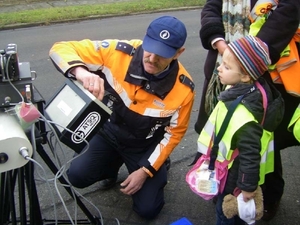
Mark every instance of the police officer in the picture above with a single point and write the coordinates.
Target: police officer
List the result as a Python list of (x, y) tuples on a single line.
[(151, 96)]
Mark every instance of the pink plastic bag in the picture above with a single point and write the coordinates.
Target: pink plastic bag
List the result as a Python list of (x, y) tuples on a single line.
[(204, 182)]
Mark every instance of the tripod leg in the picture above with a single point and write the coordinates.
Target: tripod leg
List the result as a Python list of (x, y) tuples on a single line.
[(2, 184), (22, 201), (35, 211), (4, 207), (11, 185)]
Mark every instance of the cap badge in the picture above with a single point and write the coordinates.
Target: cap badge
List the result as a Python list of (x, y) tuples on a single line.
[(164, 34)]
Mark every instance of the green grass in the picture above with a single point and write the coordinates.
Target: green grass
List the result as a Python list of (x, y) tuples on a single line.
[(60, 14)]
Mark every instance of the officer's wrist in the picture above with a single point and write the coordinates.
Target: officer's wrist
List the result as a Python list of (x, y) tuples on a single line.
[(147, 171)]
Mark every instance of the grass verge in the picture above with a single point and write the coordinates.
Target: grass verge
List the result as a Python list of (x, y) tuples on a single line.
[(60, 14)]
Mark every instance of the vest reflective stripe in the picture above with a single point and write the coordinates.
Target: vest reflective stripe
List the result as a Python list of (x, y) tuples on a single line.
[(295, 123), (241, 116), (267, 155), (205, 137)]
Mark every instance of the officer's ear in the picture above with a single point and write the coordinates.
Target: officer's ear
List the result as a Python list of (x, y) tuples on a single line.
[(178, 53)]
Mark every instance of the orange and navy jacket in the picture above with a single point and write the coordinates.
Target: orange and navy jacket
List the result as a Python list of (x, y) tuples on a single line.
[(150, 115)]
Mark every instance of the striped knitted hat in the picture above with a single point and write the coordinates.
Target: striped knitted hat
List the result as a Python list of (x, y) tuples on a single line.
[(253, 55)]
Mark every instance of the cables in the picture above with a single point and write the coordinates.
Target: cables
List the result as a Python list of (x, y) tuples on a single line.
[(62, 169), (61, 161), (25, 154)]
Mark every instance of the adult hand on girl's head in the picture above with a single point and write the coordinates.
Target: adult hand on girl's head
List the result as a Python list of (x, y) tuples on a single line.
[(221, 46)]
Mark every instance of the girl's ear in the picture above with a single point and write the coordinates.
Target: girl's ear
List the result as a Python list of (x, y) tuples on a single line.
[(246, 78)]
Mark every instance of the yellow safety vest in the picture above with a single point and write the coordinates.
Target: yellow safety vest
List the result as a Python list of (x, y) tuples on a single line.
[(295, 123), (241, 116)]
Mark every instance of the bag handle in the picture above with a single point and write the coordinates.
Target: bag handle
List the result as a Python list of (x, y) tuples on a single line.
[(217, 139), (265, 100)]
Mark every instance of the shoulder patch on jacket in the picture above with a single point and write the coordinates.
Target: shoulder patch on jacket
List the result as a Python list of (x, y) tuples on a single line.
[(187, 81), (104, 44), (126, 48)]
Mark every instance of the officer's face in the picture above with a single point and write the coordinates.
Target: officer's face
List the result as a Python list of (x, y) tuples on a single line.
[(154, 64)]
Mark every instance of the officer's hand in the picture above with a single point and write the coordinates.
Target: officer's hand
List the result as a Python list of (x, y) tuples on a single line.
[(134, 182), (92, 82)]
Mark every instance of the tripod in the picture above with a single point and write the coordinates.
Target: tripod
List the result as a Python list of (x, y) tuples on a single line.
[(23, 178)]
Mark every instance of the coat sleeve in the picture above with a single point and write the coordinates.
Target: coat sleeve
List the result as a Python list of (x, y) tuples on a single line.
[(280, 27), (68, 54), (87, 53), (248, 142), (211, 23)]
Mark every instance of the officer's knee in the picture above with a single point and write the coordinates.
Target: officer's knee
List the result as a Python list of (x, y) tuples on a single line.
[(149, 212), (76, 179)]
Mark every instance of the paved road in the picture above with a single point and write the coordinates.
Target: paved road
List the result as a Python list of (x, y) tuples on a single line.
[(33, 46)]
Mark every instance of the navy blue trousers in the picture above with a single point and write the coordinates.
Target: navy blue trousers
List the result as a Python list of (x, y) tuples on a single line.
[(103, 160)]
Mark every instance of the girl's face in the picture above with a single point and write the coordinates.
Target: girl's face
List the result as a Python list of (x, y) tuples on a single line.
[(230, 72)]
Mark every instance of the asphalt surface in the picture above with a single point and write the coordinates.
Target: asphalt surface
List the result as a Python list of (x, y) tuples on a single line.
[(115, 208)]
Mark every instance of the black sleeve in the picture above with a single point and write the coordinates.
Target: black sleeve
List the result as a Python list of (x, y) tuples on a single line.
[(248, 142), (280, 27), (211, 23)]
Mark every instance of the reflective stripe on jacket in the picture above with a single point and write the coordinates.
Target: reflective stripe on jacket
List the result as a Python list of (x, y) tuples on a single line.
[(241, 116)]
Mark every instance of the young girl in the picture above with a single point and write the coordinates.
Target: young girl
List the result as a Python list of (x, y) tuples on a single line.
[(250, 127), (223, 21)]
